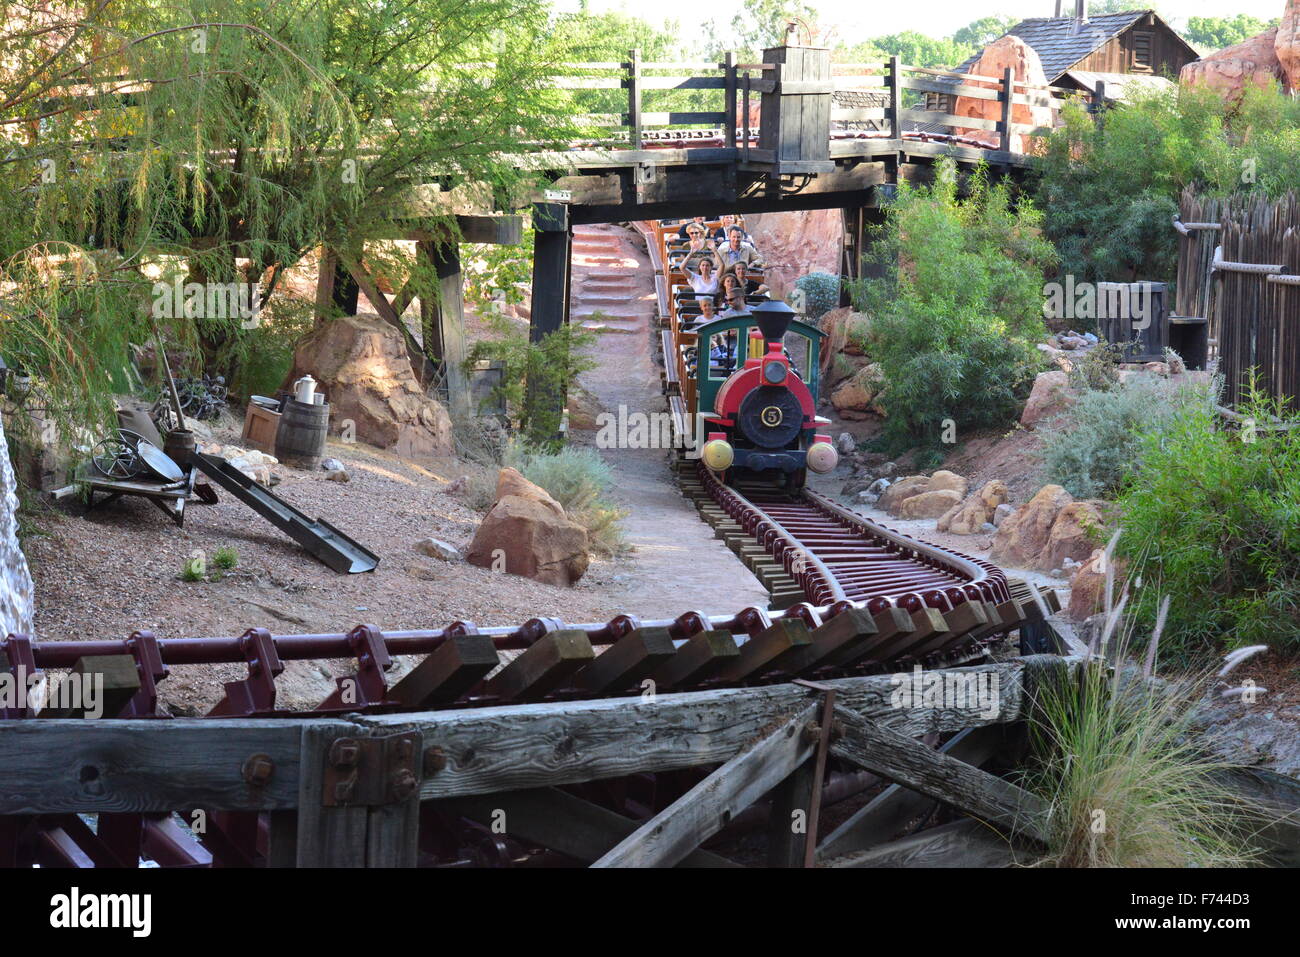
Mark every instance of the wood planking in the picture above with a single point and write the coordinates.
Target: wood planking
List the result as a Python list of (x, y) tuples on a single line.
[(565, 823), (544, 666), (506, 748), (908, 762), (963, 843), (709, 806), (448, 672), (115, 682)]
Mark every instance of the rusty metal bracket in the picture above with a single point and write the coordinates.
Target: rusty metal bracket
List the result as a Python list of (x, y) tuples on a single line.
[(823, 731), (370, 772)]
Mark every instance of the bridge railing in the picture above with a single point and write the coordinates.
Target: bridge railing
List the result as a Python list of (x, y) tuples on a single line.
[(641, 104)]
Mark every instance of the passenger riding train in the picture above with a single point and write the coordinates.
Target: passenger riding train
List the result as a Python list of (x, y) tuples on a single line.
[(751, 375)]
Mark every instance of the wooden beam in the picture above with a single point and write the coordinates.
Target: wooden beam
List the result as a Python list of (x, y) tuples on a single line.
[(456, 666), (787, 827), (709, 806), (701, 657), (963, 843), (565, 823), (97, 686), (626, 662), (912, 764), (896, 807), (443, 323), (543, 666)]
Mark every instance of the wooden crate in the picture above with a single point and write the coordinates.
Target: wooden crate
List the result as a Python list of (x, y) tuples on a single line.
[(260, 427)]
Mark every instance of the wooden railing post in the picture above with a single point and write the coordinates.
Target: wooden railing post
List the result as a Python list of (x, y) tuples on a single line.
[(1099, 103), (1008, 91), (634, 98), (893, 82), (729, 104)]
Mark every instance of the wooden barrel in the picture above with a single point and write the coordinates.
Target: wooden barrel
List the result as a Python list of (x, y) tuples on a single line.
[(300, 439)]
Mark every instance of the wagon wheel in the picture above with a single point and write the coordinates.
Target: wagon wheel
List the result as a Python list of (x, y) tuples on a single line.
[(116, 459)]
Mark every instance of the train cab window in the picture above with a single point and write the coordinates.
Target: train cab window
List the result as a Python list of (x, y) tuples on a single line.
[(798, 349), (726, 353)]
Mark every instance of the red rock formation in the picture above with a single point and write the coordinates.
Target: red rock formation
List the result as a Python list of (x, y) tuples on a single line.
[(1008, 51), (1287, 45), (1252, 62), (796, 243), (363, 368)]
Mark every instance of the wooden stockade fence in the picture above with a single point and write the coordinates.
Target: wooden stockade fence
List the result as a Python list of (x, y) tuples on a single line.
[(1239, 269), (367, 790)]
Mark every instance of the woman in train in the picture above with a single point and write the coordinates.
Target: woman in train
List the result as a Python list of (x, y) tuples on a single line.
[(700, 247), (705, 280), (751, 286)]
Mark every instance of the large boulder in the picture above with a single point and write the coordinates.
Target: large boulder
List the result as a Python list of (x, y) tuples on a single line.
[(948, 481), (527, 533), (1088, 588), (17, 595), (1023, 536), (969, 517), (1073, 535), (1287, 45), (857, 393), (364, 370), (1252, 62), (892, 497), (1049, 395), (1008, 51), (931, 504)]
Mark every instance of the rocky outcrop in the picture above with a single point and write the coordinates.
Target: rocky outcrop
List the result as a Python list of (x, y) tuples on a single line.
[(1046, 531), (938, 492), (795, 243), (1072, 535), (1020, 539), (1287, 45), (1008, 51), (364, 370), (16, 591), (527, 533), (1088, 587), (970, 517), (1049, 395), (1230, 71), (931, 504), (853, 398)]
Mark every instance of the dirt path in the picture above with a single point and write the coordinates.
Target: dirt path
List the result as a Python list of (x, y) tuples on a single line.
[(677, 564)]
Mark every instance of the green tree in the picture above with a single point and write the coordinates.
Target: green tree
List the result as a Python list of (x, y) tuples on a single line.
[(913, 49), (1215, 33), (981, 32)]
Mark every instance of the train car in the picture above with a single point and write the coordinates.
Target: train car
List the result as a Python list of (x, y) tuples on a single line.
[(757, 394)]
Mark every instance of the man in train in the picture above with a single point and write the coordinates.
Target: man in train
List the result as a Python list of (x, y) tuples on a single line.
[(737, 250)]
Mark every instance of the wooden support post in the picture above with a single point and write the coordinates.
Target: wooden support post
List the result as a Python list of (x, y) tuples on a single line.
[(565, 823), (634, 98), (327, 836), (729, 97), (910, 763), (706, 808), (344, 291), (550, 308), (326, 275), (894, 86), (1004, 124), (443, 322), (787, 829)]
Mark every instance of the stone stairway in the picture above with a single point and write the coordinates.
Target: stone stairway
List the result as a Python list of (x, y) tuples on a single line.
[(607, 293)]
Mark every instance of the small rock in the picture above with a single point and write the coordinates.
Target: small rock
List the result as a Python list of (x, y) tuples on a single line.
[(889, 468), (333, 465), (868, 498), (1056, 573), (1001, 512), (436, 548), (338, 475), (423, 572), (846, 443), (456, 486), (878, 487), (988, 527), (1092, 339)]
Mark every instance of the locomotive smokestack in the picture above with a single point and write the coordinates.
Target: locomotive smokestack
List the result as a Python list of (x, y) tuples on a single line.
[(773, 319)]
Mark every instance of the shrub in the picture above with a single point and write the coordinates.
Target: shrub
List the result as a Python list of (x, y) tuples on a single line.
[(579, 479), (1211, 517), (194, 570), (1126, 782), (225, 558), (955, 318), (821, 294), (1094, 446)]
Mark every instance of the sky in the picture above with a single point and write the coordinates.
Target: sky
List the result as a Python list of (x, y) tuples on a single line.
[(856, 21)]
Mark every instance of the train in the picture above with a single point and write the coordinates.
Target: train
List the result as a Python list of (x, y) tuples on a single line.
[(743, 387)]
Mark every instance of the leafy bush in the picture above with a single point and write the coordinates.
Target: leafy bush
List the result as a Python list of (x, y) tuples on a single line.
[(821, 292), (1109, 192), (1094, 446), (956, 316), (579, 479), (1212, 518), (225, 558)]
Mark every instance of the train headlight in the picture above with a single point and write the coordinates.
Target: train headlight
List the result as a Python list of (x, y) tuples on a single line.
[(822, 457), (774, 373), (718, 455)]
